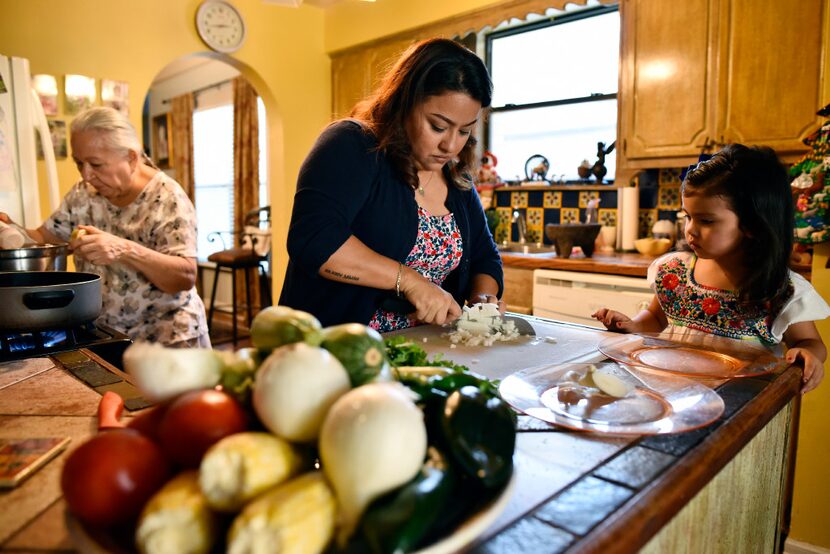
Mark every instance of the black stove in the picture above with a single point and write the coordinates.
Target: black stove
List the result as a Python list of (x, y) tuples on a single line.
[(104, 341)]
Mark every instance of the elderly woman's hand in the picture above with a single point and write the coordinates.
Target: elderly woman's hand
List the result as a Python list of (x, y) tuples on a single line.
[(99, 247)]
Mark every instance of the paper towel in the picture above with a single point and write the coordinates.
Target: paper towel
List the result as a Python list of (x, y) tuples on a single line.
[(630, 214)]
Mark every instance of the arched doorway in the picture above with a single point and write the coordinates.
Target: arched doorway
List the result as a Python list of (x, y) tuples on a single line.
[(206, 107)]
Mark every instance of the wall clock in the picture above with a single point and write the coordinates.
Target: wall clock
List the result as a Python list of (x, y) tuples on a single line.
[(220, 25)]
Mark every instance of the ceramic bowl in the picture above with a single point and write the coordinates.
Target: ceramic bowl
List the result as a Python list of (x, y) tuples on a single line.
[(652, 247), (565, 236)]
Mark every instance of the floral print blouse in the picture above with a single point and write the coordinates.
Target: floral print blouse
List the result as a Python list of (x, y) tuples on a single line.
[(437, 251), (163, 219), (690, 305)]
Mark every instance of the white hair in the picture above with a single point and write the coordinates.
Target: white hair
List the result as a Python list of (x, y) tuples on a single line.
[(115, 129)]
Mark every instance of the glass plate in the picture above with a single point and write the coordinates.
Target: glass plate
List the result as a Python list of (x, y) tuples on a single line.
[(659, 404), (697, 355)]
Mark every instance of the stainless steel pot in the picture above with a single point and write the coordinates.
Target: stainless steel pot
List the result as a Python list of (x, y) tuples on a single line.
[(38, 300), (43, 257)]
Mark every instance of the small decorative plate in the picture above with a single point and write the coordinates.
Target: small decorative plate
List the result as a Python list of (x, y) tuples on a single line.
[(658, 404), (697, 355)]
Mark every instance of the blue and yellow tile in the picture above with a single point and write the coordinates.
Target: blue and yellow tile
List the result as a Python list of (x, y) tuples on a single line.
[(518, 199), (608, 217), (669, 176), (535, 216), (552, 199), (647, 219), (534, 235), (569, 215), (668, 198), (586, 196)]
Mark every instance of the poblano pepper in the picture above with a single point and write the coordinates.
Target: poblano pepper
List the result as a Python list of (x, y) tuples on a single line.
[(478, 430), (400, 520)]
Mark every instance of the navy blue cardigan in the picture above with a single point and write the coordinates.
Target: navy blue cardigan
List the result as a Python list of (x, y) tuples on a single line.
[(346, 187)]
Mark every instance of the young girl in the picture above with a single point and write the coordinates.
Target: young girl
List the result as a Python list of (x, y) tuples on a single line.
[(732, 280)]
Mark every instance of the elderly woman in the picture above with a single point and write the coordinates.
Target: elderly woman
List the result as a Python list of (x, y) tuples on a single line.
[(135, 228)]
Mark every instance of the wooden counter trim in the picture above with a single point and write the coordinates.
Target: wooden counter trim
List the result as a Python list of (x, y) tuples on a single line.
[(632, 265), (638, 520)]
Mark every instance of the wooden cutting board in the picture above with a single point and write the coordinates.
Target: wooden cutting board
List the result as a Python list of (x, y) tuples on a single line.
[(555, 343)]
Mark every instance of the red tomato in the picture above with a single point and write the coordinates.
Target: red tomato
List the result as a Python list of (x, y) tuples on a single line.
[(196, 420), (148, 421), (109, 478)]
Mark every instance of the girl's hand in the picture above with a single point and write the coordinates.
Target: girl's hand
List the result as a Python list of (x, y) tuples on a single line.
[(98, 247), (614, 320), (485, 298), (433, 304), (813, 367)]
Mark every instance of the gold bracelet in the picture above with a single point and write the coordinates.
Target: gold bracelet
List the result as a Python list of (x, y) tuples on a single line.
[(398, 280)]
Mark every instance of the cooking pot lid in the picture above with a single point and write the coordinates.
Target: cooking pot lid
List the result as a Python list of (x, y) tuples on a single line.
[(45, 278)]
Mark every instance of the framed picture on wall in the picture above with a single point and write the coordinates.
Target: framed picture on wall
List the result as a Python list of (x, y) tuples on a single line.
[(114, 94), (57, 132), (46, 87), (80, 93), (162, 141)]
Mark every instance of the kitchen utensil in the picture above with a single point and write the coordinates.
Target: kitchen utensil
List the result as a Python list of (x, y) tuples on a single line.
[(700, 355), (38, 300), (657, 405), (41, 257), (403, 306)]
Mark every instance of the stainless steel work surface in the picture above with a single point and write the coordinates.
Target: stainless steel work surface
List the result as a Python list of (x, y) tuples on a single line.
[(554, 343)]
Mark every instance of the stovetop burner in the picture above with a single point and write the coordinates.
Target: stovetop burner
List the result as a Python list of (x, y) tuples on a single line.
[(104, 341)]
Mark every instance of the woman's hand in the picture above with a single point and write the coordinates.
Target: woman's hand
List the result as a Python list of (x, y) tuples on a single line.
[(485, 298), (99, 247), (433, 304)]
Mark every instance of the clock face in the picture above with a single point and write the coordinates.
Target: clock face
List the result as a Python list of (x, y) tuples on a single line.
[(220, 26)]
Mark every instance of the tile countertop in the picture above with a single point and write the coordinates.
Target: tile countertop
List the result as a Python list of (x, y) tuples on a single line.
[(632, 264), (574, 492), (616, 263)]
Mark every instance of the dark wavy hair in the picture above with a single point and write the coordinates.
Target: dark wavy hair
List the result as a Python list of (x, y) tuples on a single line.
[(755, 184), (427, 68)]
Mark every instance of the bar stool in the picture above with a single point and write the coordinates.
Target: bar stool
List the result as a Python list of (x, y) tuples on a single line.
[(253, 252)]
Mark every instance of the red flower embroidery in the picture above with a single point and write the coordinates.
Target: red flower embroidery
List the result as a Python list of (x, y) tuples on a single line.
[(710, 306), (670, 281)]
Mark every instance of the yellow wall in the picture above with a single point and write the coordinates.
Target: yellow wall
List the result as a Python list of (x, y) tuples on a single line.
[(132, 40), (812, 477), (350, 23)]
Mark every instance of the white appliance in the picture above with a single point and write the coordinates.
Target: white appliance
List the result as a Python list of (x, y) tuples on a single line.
[(21, 114), (573, 296)]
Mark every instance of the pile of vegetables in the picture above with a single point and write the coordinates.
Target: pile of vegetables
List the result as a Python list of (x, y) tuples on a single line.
[(313, 439)]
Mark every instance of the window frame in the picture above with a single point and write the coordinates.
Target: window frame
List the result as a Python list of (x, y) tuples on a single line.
[(534, 26)]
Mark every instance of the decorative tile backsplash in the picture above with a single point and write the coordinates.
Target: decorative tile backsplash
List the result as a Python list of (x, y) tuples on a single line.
[(659, 199)]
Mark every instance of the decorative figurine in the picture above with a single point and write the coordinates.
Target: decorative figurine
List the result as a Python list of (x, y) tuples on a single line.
[(584, 169), (487, 171), (599, 170)]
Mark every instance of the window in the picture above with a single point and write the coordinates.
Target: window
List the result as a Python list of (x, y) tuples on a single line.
[(555, 92), (213, 173)]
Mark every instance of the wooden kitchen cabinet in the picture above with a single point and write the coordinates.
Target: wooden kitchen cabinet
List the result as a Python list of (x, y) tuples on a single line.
[(518, 289), (698, 74)]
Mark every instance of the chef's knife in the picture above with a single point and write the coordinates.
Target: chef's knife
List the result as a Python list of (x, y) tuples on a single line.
[(404, 306)]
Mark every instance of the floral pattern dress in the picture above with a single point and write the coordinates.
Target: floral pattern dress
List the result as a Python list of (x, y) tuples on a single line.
[(688, 305), (437, 251), (163, 219)]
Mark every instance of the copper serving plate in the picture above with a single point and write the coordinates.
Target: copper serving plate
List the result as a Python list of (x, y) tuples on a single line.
[(697, 355)]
